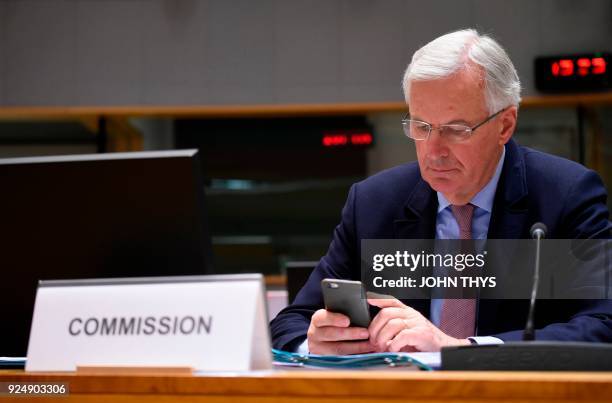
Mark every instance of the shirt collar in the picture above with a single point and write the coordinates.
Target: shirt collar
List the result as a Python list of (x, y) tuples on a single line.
[(484, 198)]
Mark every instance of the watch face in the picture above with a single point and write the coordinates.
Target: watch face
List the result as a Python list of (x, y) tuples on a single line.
[(583, 72)]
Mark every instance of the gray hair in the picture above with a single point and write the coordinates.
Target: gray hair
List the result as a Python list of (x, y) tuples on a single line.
[(452, 52)]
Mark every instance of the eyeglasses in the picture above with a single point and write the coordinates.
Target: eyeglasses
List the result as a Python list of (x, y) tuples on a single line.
[(419, 130)]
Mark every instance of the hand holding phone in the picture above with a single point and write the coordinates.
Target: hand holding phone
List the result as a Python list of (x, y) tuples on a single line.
[(348, 298), (338, 333)]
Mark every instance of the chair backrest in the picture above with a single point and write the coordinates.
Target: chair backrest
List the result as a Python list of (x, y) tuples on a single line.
[(297, 274)]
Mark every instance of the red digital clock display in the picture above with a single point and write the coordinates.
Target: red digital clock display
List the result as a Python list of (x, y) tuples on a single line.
[(341, 139), (583, 66), (585, 72)]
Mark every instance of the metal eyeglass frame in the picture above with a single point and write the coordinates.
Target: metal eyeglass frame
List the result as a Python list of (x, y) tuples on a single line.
[(406, 119)]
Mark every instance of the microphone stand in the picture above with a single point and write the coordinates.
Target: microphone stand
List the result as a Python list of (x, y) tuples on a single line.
[(538, 231)]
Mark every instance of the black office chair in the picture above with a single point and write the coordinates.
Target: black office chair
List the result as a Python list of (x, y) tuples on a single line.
[(297, 273)]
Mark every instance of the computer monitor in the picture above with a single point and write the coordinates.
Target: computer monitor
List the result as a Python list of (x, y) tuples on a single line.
[(96, 216)]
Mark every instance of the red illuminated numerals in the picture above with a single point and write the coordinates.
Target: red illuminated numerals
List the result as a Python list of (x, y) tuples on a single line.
[(554, 69), (584, 65), (566, 67), (342, 139), (598, 65), (334, 140), (361, 139)]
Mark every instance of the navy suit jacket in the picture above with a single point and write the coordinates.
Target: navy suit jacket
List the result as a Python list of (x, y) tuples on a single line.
[(399, 204)]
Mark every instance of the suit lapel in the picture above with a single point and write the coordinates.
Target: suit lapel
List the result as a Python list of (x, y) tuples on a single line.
[(418, 221), (418, 218), (508, 221), (509, 216)]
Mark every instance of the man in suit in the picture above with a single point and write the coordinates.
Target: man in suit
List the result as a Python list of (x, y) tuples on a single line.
[(471, 181)]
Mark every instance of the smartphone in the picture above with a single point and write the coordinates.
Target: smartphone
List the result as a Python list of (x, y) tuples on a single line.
[(348, 298)]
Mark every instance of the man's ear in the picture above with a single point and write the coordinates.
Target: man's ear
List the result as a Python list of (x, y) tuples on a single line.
[(507, 124)]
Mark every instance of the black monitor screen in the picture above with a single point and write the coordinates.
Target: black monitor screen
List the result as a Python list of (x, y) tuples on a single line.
[(95, 216)]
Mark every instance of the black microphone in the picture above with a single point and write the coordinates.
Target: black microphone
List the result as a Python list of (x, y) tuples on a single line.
[(538, 232)]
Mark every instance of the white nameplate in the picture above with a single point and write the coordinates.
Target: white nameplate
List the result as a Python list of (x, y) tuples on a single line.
[(210, 323)]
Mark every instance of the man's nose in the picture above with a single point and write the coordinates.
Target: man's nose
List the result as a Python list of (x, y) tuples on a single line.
[(436, 146)]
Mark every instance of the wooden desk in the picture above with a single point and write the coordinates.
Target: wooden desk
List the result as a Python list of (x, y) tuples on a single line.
[(337, 386)]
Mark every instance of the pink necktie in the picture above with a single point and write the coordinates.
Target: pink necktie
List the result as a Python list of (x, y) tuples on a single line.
[(458, 316)]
